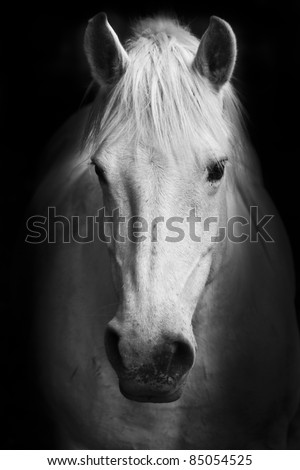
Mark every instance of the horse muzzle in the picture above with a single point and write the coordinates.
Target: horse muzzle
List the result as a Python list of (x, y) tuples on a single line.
[(144, 393), (149, 374)]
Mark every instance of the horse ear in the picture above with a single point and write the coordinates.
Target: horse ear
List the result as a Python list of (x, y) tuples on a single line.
[(105, 53), (216, 55)]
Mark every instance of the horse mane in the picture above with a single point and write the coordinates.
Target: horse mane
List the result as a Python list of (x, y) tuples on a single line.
[(161, 102)]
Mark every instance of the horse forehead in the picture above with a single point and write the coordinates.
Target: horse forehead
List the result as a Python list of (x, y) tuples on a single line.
[(142, 171), (144, 155), (161, 180), (156, 183)]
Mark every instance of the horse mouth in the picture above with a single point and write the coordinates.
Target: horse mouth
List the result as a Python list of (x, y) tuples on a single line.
[(150, 396)]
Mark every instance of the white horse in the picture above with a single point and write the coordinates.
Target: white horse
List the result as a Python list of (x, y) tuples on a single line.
[(192, 341)]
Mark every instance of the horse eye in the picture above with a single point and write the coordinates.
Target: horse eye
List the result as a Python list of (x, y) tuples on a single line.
[(101, 174), (216, 171)]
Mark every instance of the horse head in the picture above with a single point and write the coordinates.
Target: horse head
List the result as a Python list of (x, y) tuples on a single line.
[(160, 145)]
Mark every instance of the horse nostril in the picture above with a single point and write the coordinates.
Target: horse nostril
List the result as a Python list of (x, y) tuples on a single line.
[(171, 359), (183, 356), (112, 339)]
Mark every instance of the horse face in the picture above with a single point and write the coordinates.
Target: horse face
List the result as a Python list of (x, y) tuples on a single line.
[(165, 216), (163, 252)]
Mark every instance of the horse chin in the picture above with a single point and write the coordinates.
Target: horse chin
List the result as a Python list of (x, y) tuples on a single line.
[(151, 396)]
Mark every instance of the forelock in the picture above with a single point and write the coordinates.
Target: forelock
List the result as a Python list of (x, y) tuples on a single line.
[(161, 101)]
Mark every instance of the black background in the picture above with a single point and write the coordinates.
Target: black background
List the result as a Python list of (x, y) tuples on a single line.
[(44, 76)]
